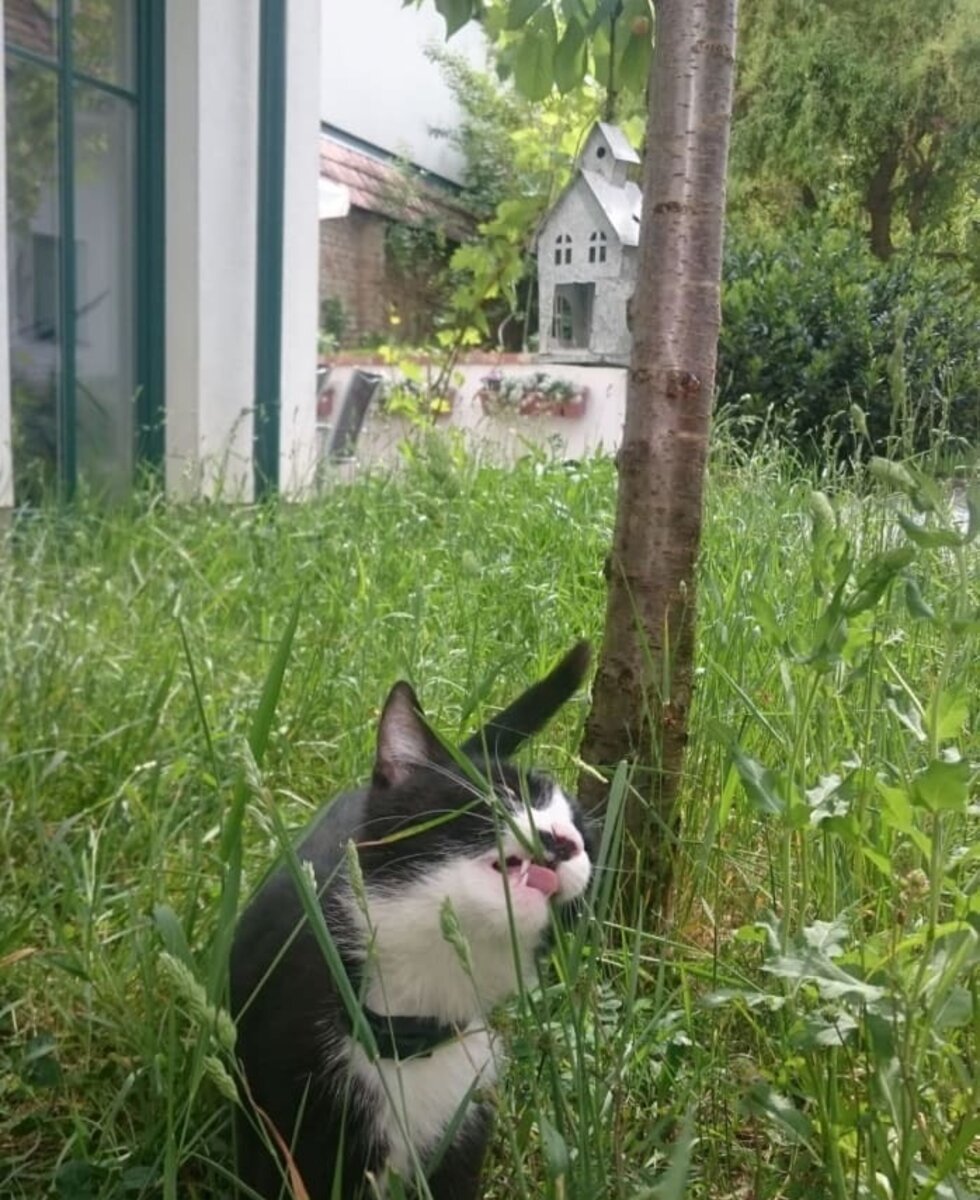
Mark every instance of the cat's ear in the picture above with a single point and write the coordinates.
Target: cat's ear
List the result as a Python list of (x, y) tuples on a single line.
[(405, 742), (501, 736)]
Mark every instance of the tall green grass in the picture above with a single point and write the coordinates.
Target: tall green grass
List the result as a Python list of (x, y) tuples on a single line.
[(809, 1024)]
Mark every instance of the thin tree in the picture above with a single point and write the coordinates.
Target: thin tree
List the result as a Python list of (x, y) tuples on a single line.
[(642, 692)]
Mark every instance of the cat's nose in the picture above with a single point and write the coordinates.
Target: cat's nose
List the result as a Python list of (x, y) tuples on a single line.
[(559, 846)]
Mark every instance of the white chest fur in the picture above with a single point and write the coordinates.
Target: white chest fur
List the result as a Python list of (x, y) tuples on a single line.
[(417, 1100)]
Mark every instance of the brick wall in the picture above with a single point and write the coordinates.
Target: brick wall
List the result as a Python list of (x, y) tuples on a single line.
[(352, 270), (355, 270)]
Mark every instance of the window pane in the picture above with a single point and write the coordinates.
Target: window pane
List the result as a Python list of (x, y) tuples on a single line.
[(103, 40), (105, 293), (33, 249), (31, 25)]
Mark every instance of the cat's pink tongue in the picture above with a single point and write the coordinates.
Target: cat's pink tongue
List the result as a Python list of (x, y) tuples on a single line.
[(542, 878)]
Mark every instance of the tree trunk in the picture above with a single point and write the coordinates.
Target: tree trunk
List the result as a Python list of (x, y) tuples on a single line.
[(643, 685), (880, 201)]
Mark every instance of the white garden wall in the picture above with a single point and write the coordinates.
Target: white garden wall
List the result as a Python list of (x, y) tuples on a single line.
[(500, 437)]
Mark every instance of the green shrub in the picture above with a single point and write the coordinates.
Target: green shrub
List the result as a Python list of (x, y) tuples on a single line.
[(812, 324)]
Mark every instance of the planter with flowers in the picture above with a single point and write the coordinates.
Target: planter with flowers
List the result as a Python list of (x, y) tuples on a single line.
[(538, 395)]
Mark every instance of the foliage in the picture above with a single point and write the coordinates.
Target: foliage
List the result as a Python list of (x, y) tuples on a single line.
[(556, 44), (873, 107), (831, 782), (333, 320), (421, 389), (878, 967), (813, 324), (417, 254), (518, 155)]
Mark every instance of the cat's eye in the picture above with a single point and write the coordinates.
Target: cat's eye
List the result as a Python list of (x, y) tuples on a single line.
[(512, 862)]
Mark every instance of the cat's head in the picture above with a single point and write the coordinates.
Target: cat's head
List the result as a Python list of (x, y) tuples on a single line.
[(504, 844)]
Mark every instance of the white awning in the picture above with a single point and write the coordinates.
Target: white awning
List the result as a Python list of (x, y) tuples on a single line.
[(334, 199)]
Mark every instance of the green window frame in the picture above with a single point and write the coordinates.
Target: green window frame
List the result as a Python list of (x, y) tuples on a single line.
[(269, 246), (147, 98)]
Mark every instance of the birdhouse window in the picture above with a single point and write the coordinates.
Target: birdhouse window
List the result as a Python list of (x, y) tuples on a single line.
[(597, 248), (563, 249)]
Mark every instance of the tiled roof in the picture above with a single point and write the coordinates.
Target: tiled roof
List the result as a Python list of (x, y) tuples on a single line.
[(380, 186), (26, 24)]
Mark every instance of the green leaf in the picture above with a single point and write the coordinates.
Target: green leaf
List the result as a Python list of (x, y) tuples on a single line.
[(821, 1029), (765, 1101), (76, 1180), (556, 1156), (40, 1064), (521, 11), (880, 861), (919, 610), (875, 578), (955, 1009), (951, 710), (942, 1173), (927, 496), (230, 847), (973, 512), (672, 1185), (942, 785), (633, 68), (172, 933), (534, 64), (894, 474), (571, 58), (898, 814), (456, 13), (930, 538), (761, 784), (258, 734)]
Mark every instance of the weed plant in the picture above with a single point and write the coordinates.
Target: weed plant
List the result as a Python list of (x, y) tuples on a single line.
[(181, 687)]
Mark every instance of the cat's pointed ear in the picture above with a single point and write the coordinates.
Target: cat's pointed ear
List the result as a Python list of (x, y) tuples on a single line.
[(405, 742), (501, 736)]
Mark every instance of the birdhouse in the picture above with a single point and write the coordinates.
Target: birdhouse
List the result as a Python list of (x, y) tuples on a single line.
[(587, 255)]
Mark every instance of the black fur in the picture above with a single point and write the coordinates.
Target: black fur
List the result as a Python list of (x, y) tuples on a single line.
[(287, 1009)]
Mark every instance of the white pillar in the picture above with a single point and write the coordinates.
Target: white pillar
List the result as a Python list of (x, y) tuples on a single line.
[(301, 256), (6, 438), (211, 195)]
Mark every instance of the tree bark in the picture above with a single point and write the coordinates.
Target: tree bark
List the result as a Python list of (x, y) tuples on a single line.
[(643, 685), (880, 202)]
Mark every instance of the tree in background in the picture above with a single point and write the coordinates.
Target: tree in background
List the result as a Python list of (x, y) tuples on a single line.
[(873, 104)]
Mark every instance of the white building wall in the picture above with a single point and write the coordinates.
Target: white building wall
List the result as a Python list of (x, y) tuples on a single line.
[(378, 85), (211, 197), (6, 440), (300, 283)]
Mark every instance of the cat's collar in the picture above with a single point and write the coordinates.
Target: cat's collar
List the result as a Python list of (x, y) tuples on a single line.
[(407, 1037)]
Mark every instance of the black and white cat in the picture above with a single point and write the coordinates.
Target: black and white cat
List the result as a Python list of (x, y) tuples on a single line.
[(501, 854)]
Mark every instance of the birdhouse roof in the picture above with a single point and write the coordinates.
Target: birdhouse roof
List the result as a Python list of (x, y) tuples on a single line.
[(621, 205), (617, 142)]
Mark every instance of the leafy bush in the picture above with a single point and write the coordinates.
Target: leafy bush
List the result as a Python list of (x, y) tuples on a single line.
[(812, 324)]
